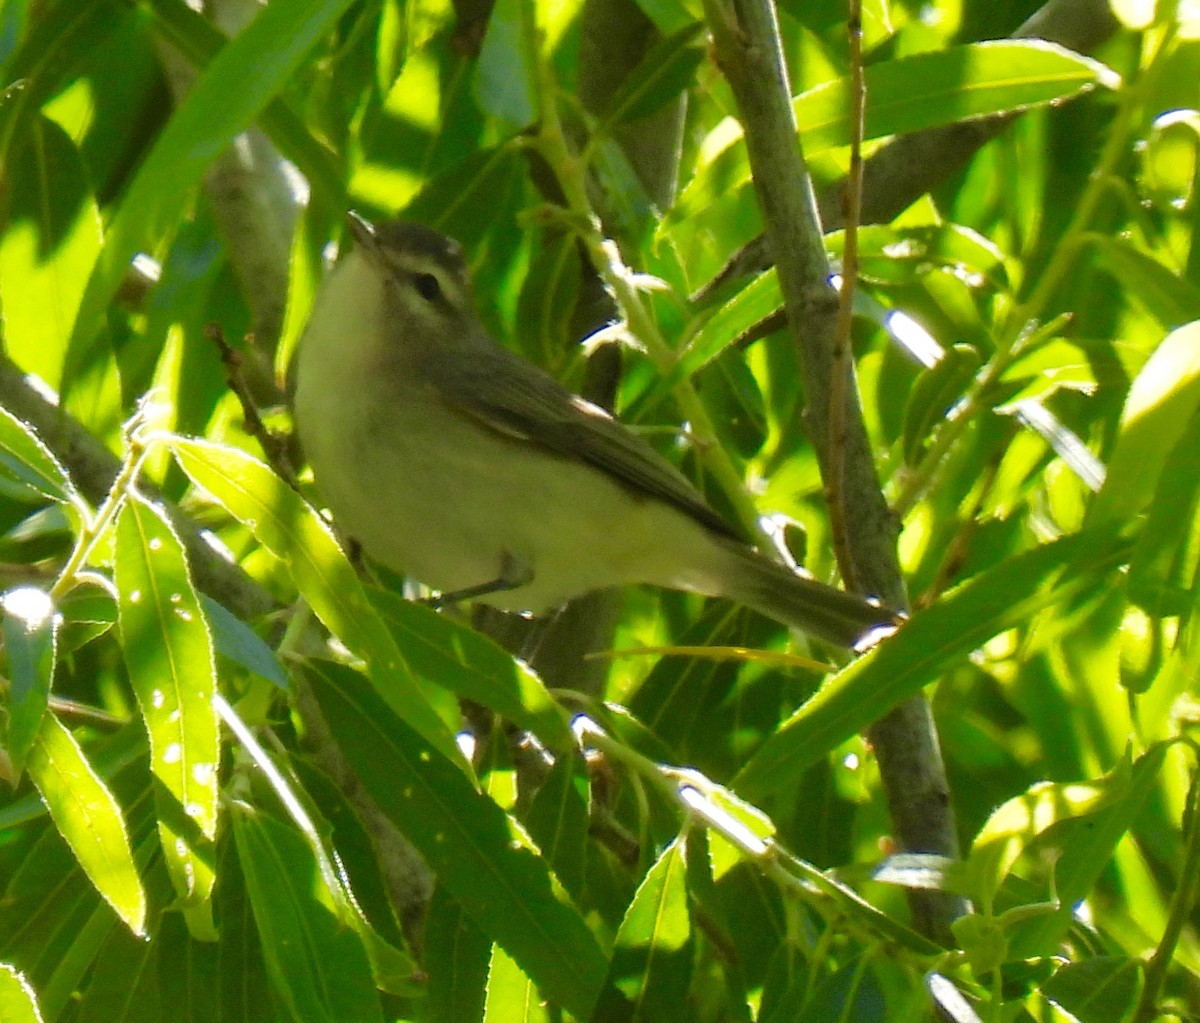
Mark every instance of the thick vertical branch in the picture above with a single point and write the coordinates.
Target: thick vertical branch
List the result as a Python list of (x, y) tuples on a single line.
[(747, 44)]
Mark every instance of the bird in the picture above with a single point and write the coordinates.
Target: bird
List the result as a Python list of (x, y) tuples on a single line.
[(454, 461)]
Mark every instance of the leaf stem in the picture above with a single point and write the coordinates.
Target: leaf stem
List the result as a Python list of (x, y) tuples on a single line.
[(570, 170)]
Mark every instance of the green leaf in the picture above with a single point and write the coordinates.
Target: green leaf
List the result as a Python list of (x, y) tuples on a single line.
[(48, 251), (27, 461), (935, 394), (235, 87), (558, 821), (661, 75), (548, 296), (50, 908), (1100, 990), (169, 653), (318, 967), (1018, 822), (469, 664), (903, 254), (756, 301), (57, 43), (88, 817), (652, 955), (124, 983), (1162, 400), (511, 995), (234, 639), (1003, 597), (168, 650), (243, 983), (293, 532), (670, 15), (1088, 846), (88, 610), (940, 87), (1171, 299), (18, 1002), (908, 94), (504, 75), (1162, 567), (201, 41), (456, 957), (30, 631), (467, 840)]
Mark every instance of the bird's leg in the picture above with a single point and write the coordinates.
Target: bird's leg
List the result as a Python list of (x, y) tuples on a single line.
[(514, 574)]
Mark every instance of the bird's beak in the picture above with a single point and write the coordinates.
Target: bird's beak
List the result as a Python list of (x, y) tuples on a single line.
[(361, 229)]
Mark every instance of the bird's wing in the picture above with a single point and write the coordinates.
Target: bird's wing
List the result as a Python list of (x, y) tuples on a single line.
[(515, 398)]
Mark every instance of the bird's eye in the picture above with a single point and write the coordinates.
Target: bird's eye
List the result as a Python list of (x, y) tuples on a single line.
[(427, 286)]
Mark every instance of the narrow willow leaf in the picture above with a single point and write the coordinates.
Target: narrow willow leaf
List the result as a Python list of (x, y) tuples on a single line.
[(234, 639), (558, 821), (30, 631), (188, 972), (511, 996), (1164, 397), (906, 254), (47, 902), (168, 650), (61, 34), (652, 956), (1088, 846), (756, 301), (1171, 299), (18, 1003), (1015, 824), (1162, 568), (124, 983), (504, 74), (318, 966), (87, 816), (468, 842), (456, 957), (933, 396), (665, 72), (27, 461), (1100, 990), (48, 250), (223, 102), (547, 301), (88, 610), (1005, 596), (470, 664), (909, 93), (293, 532), (242, 982), (194, 35)]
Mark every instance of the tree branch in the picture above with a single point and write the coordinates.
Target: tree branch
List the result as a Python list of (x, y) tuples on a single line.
[(748, 49)]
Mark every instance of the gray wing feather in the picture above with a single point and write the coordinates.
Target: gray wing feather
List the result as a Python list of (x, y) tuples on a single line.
[(513, 397)]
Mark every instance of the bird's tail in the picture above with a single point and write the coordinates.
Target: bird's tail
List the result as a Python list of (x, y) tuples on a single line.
[(834, 615)]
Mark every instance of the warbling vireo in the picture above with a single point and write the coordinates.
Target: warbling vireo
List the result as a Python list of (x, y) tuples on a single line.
[(455, 461)]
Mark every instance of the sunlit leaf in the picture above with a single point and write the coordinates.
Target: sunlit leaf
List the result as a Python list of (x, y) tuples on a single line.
[(292, 531), (318, 966), (88, 817), (18, 1002), (224, 101), (30, 631), (1162, 400), (910, 93), (652, 954)]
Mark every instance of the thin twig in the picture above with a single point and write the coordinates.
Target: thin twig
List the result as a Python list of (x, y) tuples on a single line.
[(840, 377), (274, 444)]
